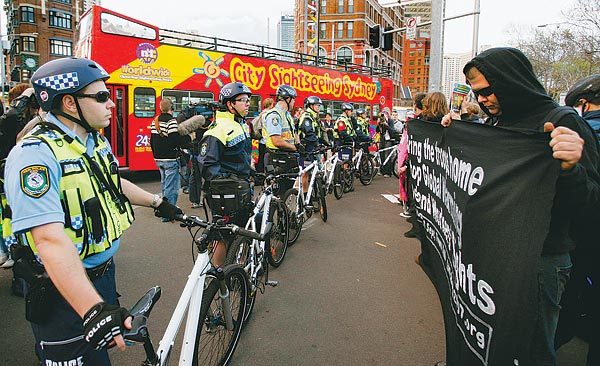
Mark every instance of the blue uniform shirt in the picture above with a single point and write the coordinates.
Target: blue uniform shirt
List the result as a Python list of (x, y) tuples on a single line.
[(28, 211)]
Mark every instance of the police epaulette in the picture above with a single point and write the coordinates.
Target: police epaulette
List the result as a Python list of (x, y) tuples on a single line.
[(47, 126)]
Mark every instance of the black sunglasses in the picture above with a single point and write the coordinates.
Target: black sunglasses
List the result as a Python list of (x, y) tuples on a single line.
[(101, 96), (485, 92)]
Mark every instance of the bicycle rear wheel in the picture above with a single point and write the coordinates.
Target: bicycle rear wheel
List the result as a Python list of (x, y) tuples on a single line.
[(290, 198), (277, 242), (338, 182), (320, 192), (215, 344), (365, 170), (395, 167)]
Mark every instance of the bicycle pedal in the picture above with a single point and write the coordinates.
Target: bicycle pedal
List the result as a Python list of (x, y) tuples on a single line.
[(272, 283)]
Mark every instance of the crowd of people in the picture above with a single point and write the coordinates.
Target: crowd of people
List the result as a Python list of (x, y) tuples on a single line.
[(50, 123)]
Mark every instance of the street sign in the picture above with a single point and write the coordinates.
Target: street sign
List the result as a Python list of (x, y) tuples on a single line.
[(411, 28)]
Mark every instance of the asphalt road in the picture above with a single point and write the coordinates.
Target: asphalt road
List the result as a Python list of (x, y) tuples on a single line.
[(349, 291)]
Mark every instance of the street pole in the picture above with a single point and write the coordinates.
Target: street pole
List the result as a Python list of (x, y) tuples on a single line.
[(475, 46), (437, 45)]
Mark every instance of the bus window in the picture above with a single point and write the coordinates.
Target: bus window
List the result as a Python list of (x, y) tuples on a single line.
[(113, 24), (255, 106), (376, 110), (183, 98), (144, 102)]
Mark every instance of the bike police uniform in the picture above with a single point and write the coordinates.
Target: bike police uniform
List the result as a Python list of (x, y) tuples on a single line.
[(51, 180), (226, 152), (311, 131)]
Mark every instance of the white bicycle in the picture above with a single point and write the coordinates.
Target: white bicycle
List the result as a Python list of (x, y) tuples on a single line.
[(392, 158), (333, 174), (270, 218), (215, 300)]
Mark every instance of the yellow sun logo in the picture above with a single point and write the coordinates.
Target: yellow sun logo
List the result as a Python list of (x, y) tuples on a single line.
[(211, 69)]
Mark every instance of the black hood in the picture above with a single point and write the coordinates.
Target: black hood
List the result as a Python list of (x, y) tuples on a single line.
[(521, 96)]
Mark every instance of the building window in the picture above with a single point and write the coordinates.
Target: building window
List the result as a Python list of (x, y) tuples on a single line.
[(28, 44), (63, 1), (27, 14), (323, 30), (350, 29), (15, 47), (323, 6), (340, 30), (60, 20), (15, 18), (340, 6), (350, 6), (61, 48), (344, 56)]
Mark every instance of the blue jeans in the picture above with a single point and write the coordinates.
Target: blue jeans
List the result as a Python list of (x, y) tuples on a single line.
[(553, 274), (169, 179)]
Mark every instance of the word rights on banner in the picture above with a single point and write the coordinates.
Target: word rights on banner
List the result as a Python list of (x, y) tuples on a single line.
[(442, 184)]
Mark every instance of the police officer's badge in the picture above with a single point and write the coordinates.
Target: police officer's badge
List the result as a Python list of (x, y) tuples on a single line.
[(203, 149), (35, 180)]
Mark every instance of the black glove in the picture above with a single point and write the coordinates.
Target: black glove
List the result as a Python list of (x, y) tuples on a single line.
[(102, 323), (300, 148), (167, 210)]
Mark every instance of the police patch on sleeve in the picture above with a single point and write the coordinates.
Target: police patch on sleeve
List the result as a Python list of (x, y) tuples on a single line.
[(203, 149), (35, 180), (275, 121)]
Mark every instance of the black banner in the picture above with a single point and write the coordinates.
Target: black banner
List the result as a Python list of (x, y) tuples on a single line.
[(484, 196)]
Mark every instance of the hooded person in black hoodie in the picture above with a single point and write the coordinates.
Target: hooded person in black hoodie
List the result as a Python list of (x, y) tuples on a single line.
[(509, 92)]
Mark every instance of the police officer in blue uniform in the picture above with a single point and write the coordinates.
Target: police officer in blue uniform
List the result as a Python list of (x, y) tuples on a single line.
[(70, 207), (226, 153)]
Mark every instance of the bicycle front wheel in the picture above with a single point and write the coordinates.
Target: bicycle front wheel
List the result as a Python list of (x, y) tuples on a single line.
[(366, 169), (215, 343), (338, 182), (320, 192), (294, 207), (277, 242), (239, 253), (348, 176)]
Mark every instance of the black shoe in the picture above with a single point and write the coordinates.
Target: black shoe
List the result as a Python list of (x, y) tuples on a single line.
[(410, 233)]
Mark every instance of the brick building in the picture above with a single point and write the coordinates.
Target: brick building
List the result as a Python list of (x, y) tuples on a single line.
[(415, 68), (39, 31), (343, 27)]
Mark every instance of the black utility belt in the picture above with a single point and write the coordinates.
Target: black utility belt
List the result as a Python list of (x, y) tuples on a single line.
[(98, 271)]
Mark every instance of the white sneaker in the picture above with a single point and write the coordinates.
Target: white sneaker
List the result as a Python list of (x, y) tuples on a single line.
[(3, 257), (8, 264)]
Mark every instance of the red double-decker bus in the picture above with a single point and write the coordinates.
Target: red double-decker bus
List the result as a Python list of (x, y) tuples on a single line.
[(146, 64)]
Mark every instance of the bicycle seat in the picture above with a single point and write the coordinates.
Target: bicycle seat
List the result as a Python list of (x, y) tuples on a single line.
[(140, 312)]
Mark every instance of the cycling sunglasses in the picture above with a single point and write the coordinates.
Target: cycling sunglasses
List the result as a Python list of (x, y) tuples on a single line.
[(485, 92), (101, 96)]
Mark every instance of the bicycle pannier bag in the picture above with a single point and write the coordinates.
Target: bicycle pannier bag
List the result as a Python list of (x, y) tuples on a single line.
[(284, 162), (228, 196)]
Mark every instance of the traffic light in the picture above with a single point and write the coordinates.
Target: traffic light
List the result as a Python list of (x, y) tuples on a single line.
[(374, 36), (388, 40)]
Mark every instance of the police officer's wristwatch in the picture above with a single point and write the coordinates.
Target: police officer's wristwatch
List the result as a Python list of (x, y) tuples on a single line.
[(155, 200)]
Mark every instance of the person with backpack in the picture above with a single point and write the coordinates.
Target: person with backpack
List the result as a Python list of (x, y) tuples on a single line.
[(258, 125)]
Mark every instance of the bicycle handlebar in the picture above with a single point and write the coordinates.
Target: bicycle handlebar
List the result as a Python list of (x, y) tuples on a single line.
[(192, 221)]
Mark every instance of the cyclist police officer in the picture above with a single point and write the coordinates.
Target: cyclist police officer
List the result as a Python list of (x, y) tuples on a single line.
[(282, 141), (70, 207), (226, 152)]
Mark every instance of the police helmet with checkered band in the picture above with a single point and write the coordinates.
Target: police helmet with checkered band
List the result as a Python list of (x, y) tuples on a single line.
[(285, 91), (347, 107), (64, 76), (313, 99), (230, 91)]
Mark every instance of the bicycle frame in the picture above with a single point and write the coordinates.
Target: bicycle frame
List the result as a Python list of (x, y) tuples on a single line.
[(314, 167), (387, 159), (258, 246), (332, 162)]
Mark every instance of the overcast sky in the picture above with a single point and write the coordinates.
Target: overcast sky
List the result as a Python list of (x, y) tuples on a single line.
[(256, 20)]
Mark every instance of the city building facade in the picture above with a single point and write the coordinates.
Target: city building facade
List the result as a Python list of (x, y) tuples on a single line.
[(285, 33), (38, 31), (415, 64), (452, 66), (343, 34)]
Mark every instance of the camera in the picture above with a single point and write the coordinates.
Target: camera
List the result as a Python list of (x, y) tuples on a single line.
[(204, 109)]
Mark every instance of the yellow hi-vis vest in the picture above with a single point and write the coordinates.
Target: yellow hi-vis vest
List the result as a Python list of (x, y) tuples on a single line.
[(89, 202)]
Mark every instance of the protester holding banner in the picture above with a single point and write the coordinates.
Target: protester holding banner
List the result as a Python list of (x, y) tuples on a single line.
[(508, 91)]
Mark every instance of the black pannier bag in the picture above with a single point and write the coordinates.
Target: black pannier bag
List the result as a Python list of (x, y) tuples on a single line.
[(228, 196), (284, 162)]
